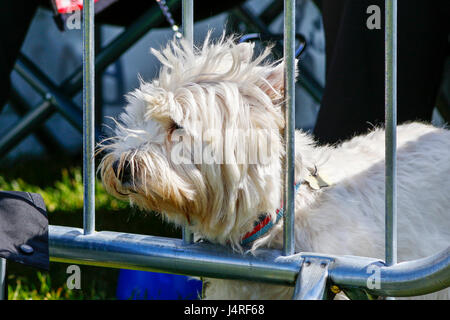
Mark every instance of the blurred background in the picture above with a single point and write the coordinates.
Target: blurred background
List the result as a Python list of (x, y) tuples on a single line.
[(58, 54)]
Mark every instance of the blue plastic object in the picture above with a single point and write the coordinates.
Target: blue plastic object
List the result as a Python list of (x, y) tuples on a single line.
[(143, 285)]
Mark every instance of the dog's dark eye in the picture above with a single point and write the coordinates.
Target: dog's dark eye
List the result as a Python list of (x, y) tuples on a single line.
[(175, 126)]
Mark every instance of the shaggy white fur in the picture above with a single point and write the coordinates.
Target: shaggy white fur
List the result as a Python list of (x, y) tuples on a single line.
[(231, 101)]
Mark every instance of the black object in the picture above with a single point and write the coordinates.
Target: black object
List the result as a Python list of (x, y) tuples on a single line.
[(24, 229)]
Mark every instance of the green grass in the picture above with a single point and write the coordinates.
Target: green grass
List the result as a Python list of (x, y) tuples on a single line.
[(41, 288), (59, 181), (66, 192)]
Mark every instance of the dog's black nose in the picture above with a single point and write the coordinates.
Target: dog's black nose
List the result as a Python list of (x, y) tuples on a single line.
[(124, 174)]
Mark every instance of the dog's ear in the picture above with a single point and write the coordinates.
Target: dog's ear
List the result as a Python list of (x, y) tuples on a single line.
[(274, 86)]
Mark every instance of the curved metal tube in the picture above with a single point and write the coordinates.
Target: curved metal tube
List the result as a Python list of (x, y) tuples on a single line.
[(405, 279), (150, 253)]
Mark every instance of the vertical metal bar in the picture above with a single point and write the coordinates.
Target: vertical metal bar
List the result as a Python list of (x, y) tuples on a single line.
[(289, 86), (391, 133), (98, 74), (188, 34), (188, 20), (3, 289), (88, 117), (45, 137)]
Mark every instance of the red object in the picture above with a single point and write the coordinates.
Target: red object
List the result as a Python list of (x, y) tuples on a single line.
[(258, 227), (69, 6)]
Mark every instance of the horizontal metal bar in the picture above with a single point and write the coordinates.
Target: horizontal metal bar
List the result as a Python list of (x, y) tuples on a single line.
[(150, 253), (405, 279)]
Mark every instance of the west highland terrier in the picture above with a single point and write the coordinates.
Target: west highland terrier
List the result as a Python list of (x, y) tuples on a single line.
[(203, 145)]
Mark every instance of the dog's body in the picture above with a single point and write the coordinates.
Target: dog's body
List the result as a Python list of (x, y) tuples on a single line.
[(347, 218), (224, 86)]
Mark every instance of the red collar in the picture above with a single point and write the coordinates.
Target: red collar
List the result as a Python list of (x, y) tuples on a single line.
[(264, 224)]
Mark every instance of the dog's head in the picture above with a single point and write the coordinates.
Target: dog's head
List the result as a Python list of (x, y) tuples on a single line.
[(202, 143)]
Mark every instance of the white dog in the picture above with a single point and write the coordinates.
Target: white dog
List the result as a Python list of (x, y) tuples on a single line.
[(203, 145)]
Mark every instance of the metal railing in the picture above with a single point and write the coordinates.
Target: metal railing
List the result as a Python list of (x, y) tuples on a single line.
[(3, 290), (289, 91), (88, 117), (58, 98), (143, 252), (159, 254), (188, 34), (391, 133)]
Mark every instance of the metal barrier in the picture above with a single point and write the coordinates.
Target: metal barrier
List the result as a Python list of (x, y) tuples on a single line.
[(188, 34), (391, 133), (88, 118), (289, 91), (143, 252), (150, 253)]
